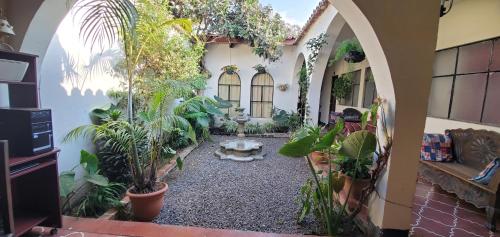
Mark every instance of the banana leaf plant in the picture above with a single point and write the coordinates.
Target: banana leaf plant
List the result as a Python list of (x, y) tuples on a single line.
[(324, 197)]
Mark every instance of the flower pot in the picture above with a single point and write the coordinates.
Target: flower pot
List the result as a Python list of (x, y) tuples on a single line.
[(145, 207), (356, 187), (319, 157), (354, 57)]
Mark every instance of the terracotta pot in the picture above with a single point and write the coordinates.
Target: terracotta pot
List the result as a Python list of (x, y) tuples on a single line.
[(356, 188), (146, 207), (319, 157)]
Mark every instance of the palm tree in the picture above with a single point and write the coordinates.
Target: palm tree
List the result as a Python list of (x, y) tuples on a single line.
[(105, 22)]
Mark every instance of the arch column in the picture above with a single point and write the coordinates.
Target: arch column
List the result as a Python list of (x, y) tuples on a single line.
[(399, 38), (316, 80)]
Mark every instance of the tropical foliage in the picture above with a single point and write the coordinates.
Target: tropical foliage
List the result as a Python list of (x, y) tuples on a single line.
[(345, 47), (259, 25), (200, 112), (351, 156), (343, 85), (102, 194), (142, 142)]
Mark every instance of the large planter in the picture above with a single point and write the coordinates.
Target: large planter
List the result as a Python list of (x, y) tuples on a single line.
[(319, 157), (356, 187), (145, 207), (354, 57)]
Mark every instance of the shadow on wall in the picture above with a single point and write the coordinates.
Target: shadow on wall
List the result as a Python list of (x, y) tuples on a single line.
[(70, 109)]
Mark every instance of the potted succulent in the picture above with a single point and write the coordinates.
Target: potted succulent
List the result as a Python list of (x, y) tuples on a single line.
[(230, 69), (260, 68), (350, 50)]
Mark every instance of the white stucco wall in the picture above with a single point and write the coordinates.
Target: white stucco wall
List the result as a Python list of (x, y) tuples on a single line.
[(66, 88), (283, 71), (220, 55)]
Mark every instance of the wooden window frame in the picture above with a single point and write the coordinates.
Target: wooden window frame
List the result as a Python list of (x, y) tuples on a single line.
[(261, 101), (230, 86), (455, 74)]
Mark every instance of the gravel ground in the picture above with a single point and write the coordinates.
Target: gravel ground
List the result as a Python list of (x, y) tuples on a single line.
[(256, 196)]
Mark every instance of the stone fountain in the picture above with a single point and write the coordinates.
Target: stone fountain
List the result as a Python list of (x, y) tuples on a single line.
[(240, 149)]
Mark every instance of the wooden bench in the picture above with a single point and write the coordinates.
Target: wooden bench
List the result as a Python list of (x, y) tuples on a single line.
[(472, 150)]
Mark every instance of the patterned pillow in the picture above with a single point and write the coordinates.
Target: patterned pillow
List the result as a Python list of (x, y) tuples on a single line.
[(485, 176), (436, 147)]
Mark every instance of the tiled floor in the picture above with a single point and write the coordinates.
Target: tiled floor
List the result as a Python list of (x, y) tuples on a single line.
[(435, 213), (438, 213)]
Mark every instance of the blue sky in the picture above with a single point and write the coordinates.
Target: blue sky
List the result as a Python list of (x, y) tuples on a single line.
[(293, 11)]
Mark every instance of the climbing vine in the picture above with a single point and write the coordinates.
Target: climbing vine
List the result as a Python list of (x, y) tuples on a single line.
[(314, 45)]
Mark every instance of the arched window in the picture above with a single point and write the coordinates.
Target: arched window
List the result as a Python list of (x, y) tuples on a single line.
[(229, 89), (261, 103)]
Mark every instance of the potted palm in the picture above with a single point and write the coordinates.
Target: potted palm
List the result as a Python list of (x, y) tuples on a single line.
[(143, 144)]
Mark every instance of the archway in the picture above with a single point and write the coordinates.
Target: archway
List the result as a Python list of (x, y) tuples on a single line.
[(387, 32)]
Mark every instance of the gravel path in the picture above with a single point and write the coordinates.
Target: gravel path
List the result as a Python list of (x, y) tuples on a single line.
[(256, 196)]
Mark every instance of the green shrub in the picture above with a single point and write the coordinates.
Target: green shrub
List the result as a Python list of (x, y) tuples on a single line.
[(286, 122), (269, 127), (230, 126), (254, 128), (178, 139), (101, 195)]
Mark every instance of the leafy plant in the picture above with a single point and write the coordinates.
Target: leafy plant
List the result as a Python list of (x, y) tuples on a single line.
[(199, 111), (144, 145), (269, 127), (345, 47), (355, 157), (230, 69), (325, 194), (253, 128), (343, 85), (178, 139), (117, 20), (286, 122), (101, 194), (260, 68), (230, 126), (260, 26), (314, 45)]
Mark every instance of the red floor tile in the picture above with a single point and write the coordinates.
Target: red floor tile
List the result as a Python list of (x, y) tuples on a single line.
[(438, 213)]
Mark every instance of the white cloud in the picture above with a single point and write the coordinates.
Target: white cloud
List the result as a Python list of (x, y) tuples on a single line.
[(290, 19)]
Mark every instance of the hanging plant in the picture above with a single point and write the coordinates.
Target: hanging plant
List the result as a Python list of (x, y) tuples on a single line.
[(343, 85), (260, 68), (230, 69), (350, 50)]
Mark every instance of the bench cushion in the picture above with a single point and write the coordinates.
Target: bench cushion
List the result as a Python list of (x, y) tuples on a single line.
[(475, 148)]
